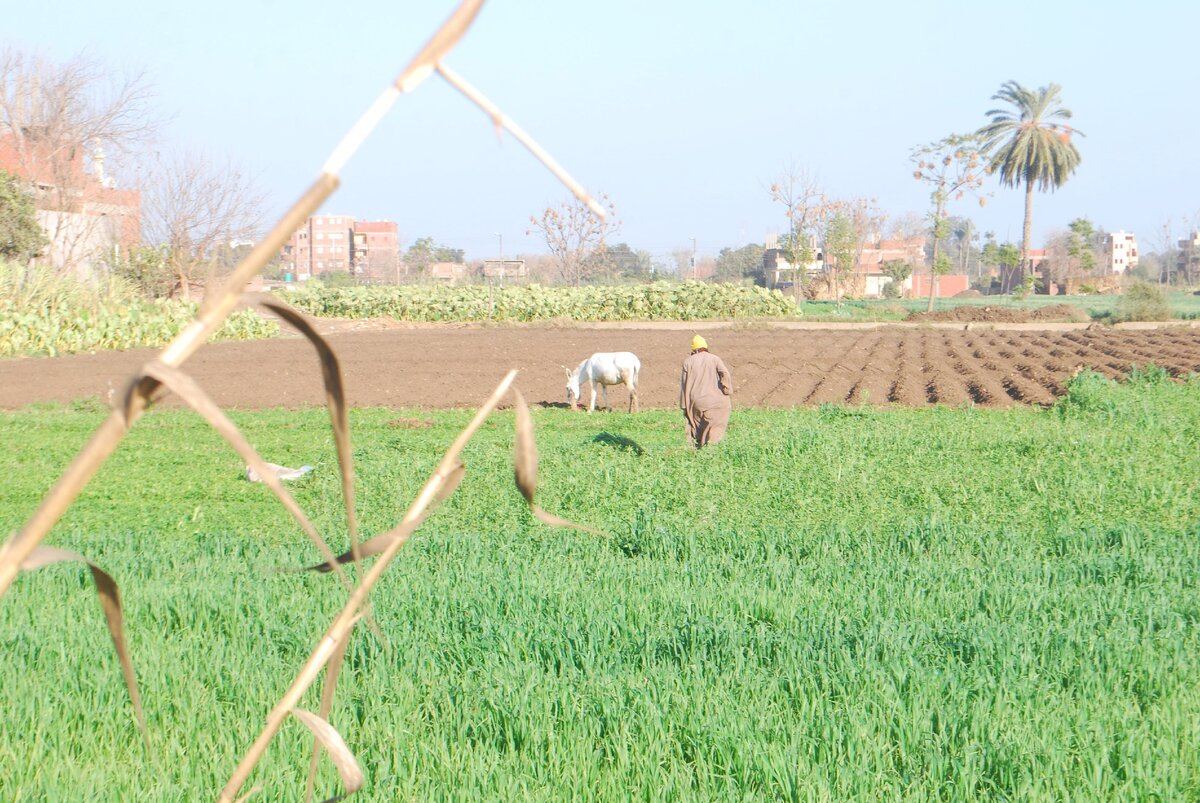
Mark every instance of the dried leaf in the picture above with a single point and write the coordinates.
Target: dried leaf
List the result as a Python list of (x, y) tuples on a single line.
[(194, 396), (335, 400), (501, 120), (557, 521), (525, 466), (254, 790), (381, 542), (332, 669), (446, 471), (339, 753), (110, 603), (443, 42), (525, 456)]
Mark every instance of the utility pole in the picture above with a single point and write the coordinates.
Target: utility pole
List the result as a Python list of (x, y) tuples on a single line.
[(693, 257)]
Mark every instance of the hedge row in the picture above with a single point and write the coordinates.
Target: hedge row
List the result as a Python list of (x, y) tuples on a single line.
[(660, 301)]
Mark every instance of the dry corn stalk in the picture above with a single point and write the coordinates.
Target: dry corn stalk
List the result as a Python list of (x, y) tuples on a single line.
[(22, 551), (221, 304)]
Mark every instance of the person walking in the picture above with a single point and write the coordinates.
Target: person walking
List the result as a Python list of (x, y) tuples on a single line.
[(704, 391)]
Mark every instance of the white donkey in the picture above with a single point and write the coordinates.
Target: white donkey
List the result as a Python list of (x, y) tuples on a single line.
[(604, 369)]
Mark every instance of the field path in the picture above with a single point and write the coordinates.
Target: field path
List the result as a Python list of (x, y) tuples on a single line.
[(455, 365)]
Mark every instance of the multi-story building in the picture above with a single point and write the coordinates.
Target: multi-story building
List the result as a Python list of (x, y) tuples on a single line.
[(328, 243), (337, 243), (1119, 252), (322, 244), (1187, 261), (377, 250)]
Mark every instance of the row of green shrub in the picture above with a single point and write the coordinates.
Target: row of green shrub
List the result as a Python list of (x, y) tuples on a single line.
[(660, 301), (44, 314), (52, 331)]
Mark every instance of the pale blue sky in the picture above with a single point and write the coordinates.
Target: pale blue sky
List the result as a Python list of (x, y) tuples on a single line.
[(682, 112)]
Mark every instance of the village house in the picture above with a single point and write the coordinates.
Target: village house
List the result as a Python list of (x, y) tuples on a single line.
[(449, 272), (81, 210), (502, 270), (868, 277), (1119, 252)]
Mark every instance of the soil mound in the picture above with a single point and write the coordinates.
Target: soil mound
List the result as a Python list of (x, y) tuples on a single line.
[(969, 313), (969, 293)]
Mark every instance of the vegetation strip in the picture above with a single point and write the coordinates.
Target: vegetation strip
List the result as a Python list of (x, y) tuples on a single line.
[(838, 602)]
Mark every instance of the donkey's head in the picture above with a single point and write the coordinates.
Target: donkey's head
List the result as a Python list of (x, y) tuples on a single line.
[(572, 386)]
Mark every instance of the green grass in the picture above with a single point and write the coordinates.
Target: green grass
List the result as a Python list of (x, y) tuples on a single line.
[(834, 604)]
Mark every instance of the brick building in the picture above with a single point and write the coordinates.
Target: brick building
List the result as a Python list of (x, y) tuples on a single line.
[(327, 243), (377, 250), (82, 212), (875, 256)]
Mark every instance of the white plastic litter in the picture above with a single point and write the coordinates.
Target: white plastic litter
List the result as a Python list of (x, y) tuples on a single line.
[(281, 472)]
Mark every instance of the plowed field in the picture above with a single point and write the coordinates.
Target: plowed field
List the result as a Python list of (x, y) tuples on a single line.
[(455, 366)]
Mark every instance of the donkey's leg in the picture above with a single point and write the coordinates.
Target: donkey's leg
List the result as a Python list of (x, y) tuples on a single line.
[(631, 386)]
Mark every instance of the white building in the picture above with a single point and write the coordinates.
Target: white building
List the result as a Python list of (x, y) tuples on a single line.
[(1120, 252)]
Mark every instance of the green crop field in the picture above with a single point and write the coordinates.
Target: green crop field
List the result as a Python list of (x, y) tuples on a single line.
[(834, 604)]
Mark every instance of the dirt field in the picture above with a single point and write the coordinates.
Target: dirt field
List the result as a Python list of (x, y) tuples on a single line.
[(439, 367)]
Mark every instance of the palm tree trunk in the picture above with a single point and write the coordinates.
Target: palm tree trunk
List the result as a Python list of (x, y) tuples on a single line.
[(1027, 232)]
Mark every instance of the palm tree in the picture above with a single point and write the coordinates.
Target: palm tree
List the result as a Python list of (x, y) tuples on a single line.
[(1028, 145)]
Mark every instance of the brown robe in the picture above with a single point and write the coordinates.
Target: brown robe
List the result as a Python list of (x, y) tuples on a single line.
[(704, 389)]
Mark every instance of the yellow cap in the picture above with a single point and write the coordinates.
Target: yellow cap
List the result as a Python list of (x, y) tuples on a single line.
[(699, 343)]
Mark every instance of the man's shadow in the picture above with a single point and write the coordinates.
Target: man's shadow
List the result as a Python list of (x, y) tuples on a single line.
[(619, 442)]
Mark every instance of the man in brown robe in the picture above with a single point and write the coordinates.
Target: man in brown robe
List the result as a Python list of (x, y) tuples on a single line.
[(704, 390)]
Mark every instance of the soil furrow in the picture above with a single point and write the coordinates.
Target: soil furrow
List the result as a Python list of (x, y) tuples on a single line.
[(454, 366)]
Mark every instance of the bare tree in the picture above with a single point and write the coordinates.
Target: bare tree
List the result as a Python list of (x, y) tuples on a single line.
[(193, 209), (576, 237), (807, 211), (682, 257), (64, 128), (541, 268), (1060, 262), (847, 227), (868, 220), (953, 168), (907, 226), (1165, 244)]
